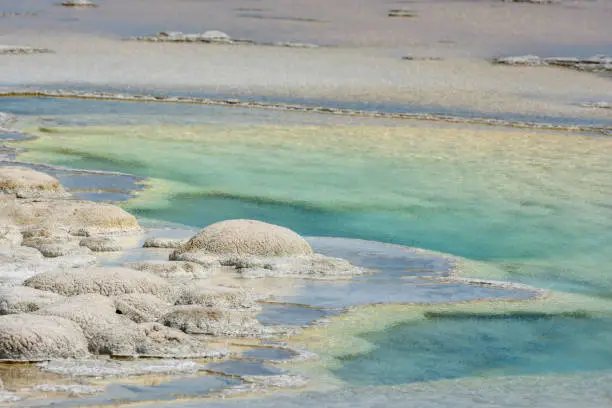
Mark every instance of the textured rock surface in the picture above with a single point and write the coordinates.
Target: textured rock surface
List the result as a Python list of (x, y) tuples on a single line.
[(21, 299), (26, 337), (314, 266), (246, 237), (106, 331), (21, 50), (598, 105), (212, 36), (164, 342), (17, 264), (101, 244), (27, 183), (118, 368), (103, 281), (171, 269), (598, 63), (10, 236), (51, 247), (157, 242), (76, 217), (219, 297), (140, 307), (214, 322)]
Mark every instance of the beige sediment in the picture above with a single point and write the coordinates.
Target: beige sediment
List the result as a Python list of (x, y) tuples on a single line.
[(291, 107)]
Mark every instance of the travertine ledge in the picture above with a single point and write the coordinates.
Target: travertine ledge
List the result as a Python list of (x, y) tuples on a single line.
[(290, 107)]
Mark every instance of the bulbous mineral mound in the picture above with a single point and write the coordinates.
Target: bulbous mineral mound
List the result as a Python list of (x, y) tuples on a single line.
[(77, 217), (246, 237), (102, 281), (25, 337), (27, 183)]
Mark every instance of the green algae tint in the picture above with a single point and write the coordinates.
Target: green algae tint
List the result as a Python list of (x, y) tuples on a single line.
[(448, 346), (537, 205)]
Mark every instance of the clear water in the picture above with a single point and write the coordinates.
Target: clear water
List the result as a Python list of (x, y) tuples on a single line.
[(463, 345), (536, 206)]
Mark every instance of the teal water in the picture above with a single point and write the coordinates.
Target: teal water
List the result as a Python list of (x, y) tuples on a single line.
[(447, 347), (536, 206)]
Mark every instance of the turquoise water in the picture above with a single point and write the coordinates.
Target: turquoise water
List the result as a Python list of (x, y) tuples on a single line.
[(463, 345), (537, 206)]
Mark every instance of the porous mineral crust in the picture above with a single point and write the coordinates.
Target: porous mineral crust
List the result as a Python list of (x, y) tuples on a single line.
[(24, 182), (196, 319), (75, 216), (246, 237), (21, 299), (26, 337), (103, 281)]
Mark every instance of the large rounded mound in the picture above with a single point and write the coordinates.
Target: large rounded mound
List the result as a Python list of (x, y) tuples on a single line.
[(246, 237), (77, 217), (25, 337)]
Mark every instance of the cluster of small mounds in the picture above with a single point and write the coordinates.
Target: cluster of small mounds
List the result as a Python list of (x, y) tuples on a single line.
[(402, 13), (598, 63), (153, 309), (78, 3), (210, 37), (22, 50)]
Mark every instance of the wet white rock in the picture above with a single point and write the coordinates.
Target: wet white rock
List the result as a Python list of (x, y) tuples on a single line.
[(24, 182), (212, 36), (314, 266), (27, 337), (72, 390), (166, 342), (218, 297), (21, 299), (598, 105), (264, 384), (117, 368), (103, 281), (101, 244), (159, 242), (172, 269), (597, 63), (196, 319)]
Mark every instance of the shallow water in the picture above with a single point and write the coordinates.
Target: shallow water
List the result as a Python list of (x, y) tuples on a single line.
[(464, 345), (536, 204), (533, 206)]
